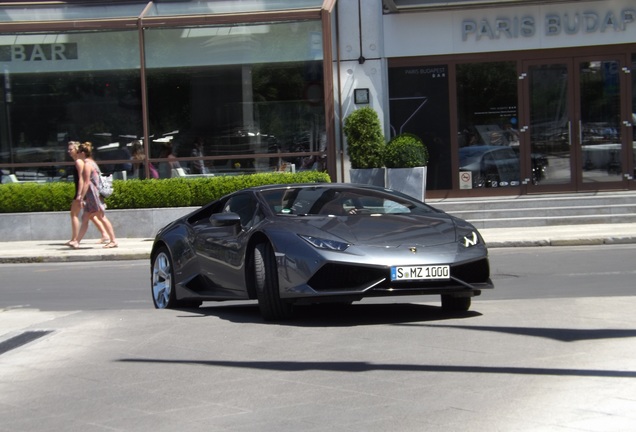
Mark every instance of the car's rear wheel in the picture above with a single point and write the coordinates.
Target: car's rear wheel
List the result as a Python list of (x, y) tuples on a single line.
[(272, 307), (162, 280), (455, 304)]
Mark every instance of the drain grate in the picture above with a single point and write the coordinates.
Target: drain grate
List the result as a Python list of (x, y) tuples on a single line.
[(22, 339)]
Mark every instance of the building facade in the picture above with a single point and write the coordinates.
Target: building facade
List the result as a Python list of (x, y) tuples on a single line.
[(511, 97), (238, 86)]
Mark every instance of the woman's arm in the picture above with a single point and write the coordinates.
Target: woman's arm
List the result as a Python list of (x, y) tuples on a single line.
[(86, 176), (79, 166)]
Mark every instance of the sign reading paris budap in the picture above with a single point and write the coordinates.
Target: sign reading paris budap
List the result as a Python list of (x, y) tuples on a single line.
[(553, 25)]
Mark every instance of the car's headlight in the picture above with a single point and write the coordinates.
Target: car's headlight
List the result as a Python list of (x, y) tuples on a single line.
[(470, 240), (325, 244)]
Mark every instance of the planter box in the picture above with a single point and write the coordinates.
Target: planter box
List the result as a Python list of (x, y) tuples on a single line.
[(368, 176), (410, 181)]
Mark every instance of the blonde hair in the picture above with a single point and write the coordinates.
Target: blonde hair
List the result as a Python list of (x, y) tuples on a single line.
[(74, 144)]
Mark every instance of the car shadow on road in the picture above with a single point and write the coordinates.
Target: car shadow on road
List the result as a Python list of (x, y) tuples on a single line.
[(336, 315)]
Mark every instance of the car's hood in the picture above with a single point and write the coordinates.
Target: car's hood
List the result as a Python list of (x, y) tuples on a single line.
[(388, 230)]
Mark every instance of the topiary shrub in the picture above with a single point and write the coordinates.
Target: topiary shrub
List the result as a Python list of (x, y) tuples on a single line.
[(365, 141), (405, 151)]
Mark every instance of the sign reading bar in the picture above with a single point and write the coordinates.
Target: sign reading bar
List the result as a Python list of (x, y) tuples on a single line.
[(38, 52)]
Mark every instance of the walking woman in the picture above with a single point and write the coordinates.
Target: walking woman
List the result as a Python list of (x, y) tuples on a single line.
[(76, 205), (91, 200)]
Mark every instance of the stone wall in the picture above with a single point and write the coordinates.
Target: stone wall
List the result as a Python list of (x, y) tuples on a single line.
[(135, 223)]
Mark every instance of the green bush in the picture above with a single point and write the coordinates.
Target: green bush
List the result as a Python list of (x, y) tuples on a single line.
[(174, 192), (29, 197), (149, 193), (405, 151), (365, 141)]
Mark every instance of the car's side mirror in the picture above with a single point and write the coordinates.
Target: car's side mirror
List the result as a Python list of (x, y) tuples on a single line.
[(225, 219)]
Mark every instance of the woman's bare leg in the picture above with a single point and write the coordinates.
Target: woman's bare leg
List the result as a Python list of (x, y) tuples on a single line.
[(100, 226), (76, 208), (109, 229)]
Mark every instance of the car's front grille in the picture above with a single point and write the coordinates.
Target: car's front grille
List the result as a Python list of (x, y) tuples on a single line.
[(473, 272), (342, 277)]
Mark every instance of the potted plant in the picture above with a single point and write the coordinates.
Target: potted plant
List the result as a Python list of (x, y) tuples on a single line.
[(365, 146), (406, 158)]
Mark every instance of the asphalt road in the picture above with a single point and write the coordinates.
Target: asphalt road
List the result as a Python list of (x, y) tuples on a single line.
[(552, 348), (518, 273)]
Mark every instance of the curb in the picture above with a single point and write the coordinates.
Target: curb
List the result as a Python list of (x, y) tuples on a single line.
[(590, 241)]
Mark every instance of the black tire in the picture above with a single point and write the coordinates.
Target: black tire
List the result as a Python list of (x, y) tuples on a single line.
[(162, 283), (162, 280), (455, 304), (266, 281)]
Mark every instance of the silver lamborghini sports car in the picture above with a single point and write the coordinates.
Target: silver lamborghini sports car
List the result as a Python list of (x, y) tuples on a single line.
[(310, 243)]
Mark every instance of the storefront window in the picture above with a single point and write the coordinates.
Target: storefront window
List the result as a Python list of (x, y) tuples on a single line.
[(633, 119), (228, 6), (67, 86), (250, 95), (419, 105), (66, 11), (488, 122)]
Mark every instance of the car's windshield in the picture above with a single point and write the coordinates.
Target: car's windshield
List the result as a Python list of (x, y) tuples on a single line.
[(325, 201)]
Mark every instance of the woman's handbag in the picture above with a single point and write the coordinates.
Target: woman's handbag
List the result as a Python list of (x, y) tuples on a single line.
[(105, 186)]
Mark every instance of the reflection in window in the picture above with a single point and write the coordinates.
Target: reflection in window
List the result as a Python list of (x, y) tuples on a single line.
[(242, 94), (85, 94), (252, 95), (419, 105), (633, 119), (227, 6), (488, 120), (600, 110)]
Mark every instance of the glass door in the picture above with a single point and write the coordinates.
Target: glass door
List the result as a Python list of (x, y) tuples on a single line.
[(547, 128), (576, 130), (601, 126), (630, 124)]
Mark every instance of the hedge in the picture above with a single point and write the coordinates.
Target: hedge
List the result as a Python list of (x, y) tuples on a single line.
[(129, 194)]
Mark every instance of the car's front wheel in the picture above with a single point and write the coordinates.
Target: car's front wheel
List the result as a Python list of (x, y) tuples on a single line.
[(272, 307), (455, 304), (162, 280)]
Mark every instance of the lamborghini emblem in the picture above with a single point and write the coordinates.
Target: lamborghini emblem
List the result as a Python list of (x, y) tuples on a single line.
[(413, 249)]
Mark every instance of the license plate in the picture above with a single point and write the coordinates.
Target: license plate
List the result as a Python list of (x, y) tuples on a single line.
[(431, 272)]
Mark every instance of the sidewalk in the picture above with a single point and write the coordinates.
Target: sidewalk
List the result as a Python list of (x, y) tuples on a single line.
[(139, 248), (89, 250)]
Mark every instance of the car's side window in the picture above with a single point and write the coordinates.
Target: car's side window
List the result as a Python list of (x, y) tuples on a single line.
[(391, 206), (204, 214), (244, 205)]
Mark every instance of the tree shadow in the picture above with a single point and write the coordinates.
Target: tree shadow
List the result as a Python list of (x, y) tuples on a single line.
[(559, 334), (353, 366)]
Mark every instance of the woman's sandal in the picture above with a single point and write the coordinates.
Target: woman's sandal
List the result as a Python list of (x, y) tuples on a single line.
[(73, 244), (111, 245), (104, 240)]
